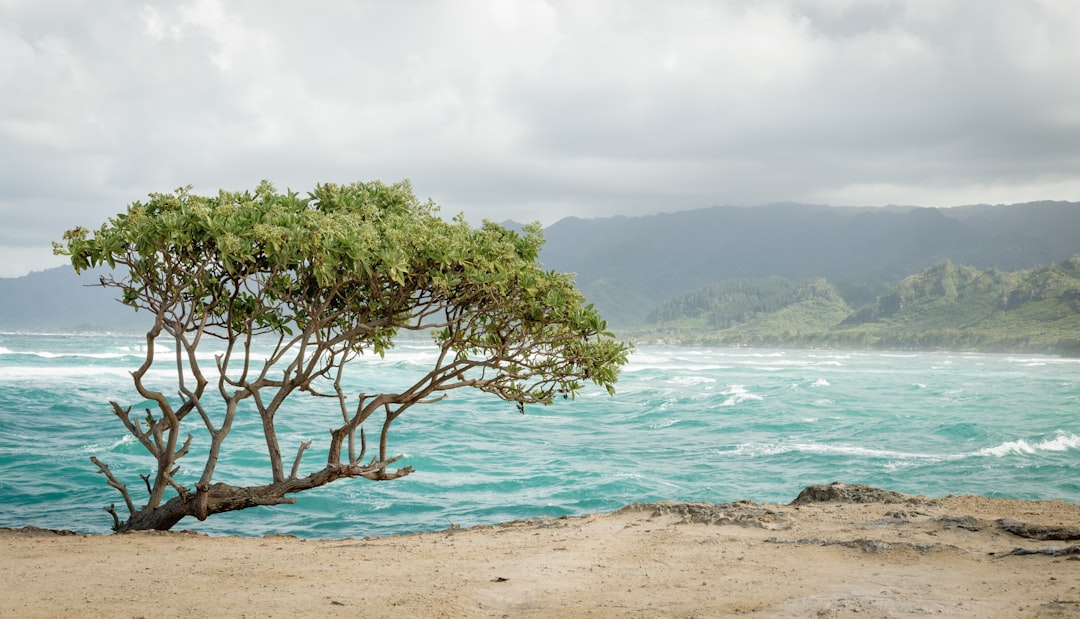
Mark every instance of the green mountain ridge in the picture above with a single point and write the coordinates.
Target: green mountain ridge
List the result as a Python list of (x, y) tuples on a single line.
[(627, 266), (947, 306), (632, 267)]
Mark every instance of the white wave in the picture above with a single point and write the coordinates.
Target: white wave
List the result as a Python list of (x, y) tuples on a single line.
[(831, 356), (667, 423), (1062, 441), (1008, 448), (111, 352), (33, 373), (93, 448), (1035, 361), (692, 380), (640, 358), (738, 394), (772, 449), (76, 355), (667, 404), (639, 362), (821, 382), (778, 364)]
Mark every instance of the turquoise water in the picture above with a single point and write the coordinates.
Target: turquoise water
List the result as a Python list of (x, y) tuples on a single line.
[(687, 424)]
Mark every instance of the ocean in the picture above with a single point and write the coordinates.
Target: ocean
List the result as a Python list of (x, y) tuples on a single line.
[(686, 424)]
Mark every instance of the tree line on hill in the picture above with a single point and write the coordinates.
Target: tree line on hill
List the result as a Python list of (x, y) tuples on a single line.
[(947, 307)]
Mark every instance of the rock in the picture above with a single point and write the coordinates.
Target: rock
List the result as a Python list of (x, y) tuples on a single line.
[(961, 522), (844, 493), (741, 513), (1039, 532)]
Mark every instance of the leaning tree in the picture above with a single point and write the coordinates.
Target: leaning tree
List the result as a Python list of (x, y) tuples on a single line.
[(311, 283)]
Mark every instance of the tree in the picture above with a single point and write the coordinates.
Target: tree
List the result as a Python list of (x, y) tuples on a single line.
[(319, 280)]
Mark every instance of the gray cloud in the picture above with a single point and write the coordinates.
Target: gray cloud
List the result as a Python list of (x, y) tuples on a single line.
[(535, 110)]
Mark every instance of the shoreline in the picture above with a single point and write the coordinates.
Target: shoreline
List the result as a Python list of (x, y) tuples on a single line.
[(839, 551)]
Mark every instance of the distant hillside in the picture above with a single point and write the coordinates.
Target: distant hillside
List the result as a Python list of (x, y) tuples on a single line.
[(947, 306), (59, 300), (628, 266)]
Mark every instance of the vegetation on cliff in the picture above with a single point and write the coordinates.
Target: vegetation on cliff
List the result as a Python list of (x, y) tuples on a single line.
[(947, 306)]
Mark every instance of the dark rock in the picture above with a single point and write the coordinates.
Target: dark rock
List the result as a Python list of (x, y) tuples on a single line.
[(1067, 551), (844, 493), (742, 513), (1039, 532), (961, 522)]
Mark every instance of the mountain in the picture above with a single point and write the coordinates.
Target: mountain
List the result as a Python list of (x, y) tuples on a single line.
[(60, 300), (628, 266), (947, 306)]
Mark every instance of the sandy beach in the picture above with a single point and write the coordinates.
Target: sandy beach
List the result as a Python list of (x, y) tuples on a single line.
[(837, 551)]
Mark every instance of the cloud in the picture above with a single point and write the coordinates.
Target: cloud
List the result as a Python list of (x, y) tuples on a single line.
[(534, 109)]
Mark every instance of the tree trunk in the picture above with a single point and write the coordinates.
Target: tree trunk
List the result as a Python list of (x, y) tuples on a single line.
[(222, 497)]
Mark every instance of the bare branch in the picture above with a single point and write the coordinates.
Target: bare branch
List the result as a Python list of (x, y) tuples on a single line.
[(180, 453), (115, 483), (112, 512), (181, 490), (133, 426), (299, 454), (363, 449), (196, 401)]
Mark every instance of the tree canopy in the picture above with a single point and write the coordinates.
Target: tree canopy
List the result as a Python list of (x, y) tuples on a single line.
[(325, 277)]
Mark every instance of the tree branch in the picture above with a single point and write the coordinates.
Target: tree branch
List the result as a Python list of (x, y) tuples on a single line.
[(299, 454), (115, 483), (111, 509)]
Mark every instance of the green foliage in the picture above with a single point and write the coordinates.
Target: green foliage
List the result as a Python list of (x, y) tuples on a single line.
[(368, 254), (947, 306), (725, 304), (328, 276), (745, 312)]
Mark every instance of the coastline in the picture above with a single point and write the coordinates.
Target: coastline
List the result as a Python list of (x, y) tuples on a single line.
[(840, 551)]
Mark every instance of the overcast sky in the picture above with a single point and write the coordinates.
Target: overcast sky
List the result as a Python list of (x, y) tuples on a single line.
[(534, 110)]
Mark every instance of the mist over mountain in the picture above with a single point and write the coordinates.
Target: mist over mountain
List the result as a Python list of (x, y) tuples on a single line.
[(630, 266), (58, 299)]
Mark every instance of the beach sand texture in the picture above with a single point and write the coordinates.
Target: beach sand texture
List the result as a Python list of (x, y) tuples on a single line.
[(848, 551)]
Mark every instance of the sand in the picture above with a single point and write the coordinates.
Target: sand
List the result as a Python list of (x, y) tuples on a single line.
[(827, 556)]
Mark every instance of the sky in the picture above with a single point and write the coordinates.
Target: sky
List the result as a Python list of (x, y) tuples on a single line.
[(533, 110)]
